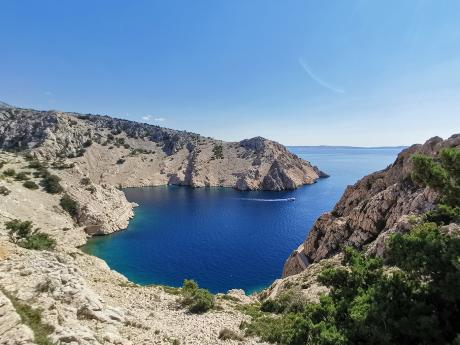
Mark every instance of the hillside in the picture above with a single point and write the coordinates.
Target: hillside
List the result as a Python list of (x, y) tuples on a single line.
[(124, 153)]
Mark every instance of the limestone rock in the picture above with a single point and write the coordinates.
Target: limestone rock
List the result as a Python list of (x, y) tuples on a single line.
[(123, 153), (370, 210)]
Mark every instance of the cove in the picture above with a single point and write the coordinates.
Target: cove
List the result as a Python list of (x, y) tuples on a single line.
[(223, 238)]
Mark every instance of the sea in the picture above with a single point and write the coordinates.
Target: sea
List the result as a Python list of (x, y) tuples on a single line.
[(226, 239)]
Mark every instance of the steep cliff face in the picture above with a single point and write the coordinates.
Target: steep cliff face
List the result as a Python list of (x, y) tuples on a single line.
[(127, 154), (368, 211)]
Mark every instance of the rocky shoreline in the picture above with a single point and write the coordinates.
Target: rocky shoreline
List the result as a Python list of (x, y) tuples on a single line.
[(79, 296)]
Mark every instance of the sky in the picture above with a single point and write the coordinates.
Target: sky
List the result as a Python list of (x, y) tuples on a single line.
[(356, 72)]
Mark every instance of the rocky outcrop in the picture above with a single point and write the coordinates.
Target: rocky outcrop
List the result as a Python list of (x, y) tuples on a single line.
[(130, 154), (377, 205), (79, 298)]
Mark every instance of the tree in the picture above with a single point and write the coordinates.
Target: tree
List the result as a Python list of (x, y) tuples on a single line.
[(197, 300), (51, 184), (441, 173), (69, 205), (18, 230), (413, 297), (23, 234)]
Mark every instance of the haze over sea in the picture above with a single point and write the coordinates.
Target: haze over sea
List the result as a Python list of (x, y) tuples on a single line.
[(223, 238)]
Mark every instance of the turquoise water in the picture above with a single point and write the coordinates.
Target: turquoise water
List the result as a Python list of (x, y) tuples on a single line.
[(227, 239)]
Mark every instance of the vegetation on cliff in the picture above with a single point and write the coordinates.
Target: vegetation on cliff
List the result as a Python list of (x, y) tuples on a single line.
[(197, 300), (411, 296), (32, 318), (23, 234), (441, 173)]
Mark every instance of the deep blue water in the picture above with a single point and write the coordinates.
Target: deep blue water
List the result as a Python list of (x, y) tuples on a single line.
[(227, 239)]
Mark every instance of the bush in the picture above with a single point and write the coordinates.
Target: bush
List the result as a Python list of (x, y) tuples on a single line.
[(441, 173), (23, 234), (61, 165), (30, 185), (198, 301), (4, 191), (51, 184), (228, 334), (87, 143), (91, 189), (415, 302), (80, 153), (35, 164), (85, 181), (218, 152), (121, 161), (69, 205), (287, 302), (39, 241), (19, 230), (9, 172), (22, 176)]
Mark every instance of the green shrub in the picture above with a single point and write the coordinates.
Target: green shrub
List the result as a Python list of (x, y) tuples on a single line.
[(51, 184), (218, 152), (416, 302), (61, 165), (441, 173), (39, 241), (69, 205), (23, 234), (9, 172), (87, 143), (121, 161), (18, 230), (197, 300), (85, 181), (80, 153), (30, 185), (228, 334), (36, 164), (4, 191), (22, 176), (91, 189)]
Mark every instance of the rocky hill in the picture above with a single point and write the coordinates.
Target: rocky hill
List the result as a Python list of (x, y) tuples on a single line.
[(128, 154), (377, 205)]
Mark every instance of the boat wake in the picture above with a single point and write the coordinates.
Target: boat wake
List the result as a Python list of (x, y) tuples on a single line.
[(267, 200)]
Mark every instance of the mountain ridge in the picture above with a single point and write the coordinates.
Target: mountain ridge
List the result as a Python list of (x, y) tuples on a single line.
[(109, 150)]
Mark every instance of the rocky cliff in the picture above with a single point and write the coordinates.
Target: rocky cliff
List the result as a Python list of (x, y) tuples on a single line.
[(128, 154), (377, 205)]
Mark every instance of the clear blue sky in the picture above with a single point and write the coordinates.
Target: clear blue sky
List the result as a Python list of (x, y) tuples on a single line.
[(366, 73)]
